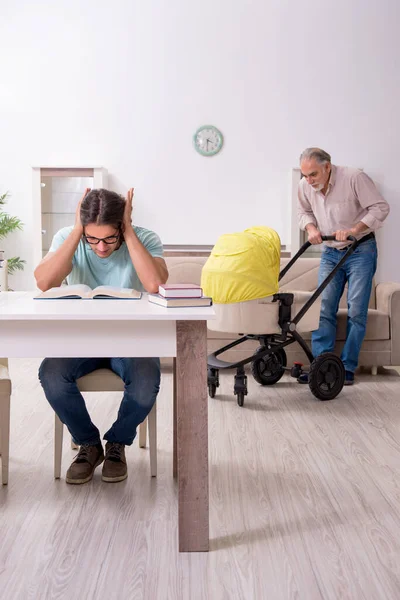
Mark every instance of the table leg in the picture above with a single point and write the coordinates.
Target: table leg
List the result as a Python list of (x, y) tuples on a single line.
[(192, 435), (174, 426), (5, 398)]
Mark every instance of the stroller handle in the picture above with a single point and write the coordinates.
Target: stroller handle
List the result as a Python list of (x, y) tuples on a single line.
[(332, 238), (324, 238)]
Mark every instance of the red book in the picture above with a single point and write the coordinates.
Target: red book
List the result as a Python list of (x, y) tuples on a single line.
[(180, 290)]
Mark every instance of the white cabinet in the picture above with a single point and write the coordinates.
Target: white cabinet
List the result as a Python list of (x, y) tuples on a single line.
[(56, 193)]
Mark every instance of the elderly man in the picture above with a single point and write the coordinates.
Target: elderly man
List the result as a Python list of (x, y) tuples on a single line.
[(340, 201)]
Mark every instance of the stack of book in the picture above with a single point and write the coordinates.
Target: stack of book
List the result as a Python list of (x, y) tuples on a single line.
[(180, 295)]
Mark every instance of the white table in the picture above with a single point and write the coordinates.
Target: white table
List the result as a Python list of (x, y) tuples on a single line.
[(107, 328)]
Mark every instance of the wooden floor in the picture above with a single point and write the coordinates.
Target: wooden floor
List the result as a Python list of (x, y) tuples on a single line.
[(304, 502)]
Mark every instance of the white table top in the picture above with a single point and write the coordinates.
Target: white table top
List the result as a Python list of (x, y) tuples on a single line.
[(20, 306)]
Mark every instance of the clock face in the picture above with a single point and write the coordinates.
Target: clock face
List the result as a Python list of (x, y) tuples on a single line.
[(208, 140)]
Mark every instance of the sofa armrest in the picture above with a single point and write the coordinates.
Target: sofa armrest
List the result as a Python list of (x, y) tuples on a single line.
[(388, 301), (385, 295)]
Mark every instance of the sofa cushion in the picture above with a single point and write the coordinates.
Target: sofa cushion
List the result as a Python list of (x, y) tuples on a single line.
[(378, 326), (303, 275), (185, 269)]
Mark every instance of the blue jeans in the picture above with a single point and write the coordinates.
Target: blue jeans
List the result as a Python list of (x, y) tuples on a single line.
[(358, 272), (141, 377)]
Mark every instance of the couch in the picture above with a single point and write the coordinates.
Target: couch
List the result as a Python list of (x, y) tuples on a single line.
[(381, 346)]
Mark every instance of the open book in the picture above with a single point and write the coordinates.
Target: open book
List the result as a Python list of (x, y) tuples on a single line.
[(84, 292)]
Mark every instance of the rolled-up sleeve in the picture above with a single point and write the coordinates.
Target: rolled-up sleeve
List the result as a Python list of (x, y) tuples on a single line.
[(371, 200), (304, 210)]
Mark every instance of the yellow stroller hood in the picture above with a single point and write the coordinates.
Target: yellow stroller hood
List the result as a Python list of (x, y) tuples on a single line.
[(243, 266)]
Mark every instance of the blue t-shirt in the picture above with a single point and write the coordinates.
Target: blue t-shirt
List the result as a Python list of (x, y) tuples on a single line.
[(117, 269)]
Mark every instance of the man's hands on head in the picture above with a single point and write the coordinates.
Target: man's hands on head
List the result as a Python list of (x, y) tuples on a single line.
[(78, 223), (127, 222), (152, 271)]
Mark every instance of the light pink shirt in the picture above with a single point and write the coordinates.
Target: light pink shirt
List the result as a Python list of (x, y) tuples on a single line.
[(351, 197)]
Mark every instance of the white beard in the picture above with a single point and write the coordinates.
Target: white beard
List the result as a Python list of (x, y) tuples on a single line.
[(318, 188)]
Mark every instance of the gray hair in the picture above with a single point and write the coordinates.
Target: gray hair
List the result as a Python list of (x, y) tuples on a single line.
[(320, 155)]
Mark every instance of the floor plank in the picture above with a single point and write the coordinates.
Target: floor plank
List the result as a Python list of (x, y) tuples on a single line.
[(304, 501)]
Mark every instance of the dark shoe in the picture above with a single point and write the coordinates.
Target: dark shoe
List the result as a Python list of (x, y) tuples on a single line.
[(114, 468), (303, 378), (349, 378), (86, 461)]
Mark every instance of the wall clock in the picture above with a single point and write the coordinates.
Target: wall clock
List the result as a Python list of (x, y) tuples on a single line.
[(208, 140)]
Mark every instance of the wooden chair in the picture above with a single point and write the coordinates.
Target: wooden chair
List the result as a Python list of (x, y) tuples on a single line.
[(105, 380)]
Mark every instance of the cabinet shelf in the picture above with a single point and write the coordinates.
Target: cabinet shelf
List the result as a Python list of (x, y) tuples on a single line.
[(54, 204)]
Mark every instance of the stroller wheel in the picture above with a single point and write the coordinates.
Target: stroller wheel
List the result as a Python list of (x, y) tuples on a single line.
[(270, 368), (212, 388), (212, 381), (326, 376), (240, 398), (240, 387)]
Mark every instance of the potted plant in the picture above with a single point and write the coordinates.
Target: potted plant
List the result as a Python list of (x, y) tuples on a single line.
[(9, 224)]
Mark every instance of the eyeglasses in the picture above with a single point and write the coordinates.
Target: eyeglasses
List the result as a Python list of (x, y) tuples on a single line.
[(93, 241)]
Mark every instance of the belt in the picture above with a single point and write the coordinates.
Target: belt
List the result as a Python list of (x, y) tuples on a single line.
[(369, 236)]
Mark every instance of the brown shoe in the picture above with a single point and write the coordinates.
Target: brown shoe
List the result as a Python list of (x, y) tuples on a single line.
[(87, 459), (114, 468)]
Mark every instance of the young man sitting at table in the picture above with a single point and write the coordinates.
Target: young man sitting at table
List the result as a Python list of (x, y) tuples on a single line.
[(102, 248)]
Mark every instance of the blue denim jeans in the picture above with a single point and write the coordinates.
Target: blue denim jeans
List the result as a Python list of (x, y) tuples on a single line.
[(358, 272), (141, 377)]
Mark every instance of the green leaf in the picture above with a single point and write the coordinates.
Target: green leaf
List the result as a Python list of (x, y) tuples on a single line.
[(8, 224), (15, 264), (3, 198)]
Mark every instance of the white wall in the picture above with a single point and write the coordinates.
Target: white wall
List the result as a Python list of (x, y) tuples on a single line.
[(125, 84)]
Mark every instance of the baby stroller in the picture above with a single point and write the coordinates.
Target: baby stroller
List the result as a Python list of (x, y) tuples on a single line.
[(283, 316)]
